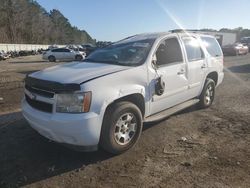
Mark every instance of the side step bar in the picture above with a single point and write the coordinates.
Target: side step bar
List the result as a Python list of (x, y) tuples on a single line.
[(163, 114)]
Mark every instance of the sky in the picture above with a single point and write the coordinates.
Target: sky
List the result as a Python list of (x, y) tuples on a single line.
[(112, 20)]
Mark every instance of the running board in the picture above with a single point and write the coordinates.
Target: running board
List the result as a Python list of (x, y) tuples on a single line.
[(163, 114)]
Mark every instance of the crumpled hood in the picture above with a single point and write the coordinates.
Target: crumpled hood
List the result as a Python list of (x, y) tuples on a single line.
[(76, 72)]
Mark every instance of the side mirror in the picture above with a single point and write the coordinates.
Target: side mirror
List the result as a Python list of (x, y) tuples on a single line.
[(154, 61)]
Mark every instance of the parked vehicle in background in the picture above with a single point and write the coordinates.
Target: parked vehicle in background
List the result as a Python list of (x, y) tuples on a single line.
[(246, 41), (88, 48), (63, 54), (77, 48), (54, 46), (3, 55), (235, 49), (105, 100)]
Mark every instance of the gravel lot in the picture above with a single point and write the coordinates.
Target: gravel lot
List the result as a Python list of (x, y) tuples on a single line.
[(195, 148)]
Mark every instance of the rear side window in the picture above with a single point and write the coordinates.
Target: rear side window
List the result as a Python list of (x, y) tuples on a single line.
[(212, 46), (57, 50), (168, 52), (66, 50), (193, 49)]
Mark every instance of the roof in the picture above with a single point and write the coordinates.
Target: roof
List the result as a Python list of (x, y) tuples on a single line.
[(143, 36)]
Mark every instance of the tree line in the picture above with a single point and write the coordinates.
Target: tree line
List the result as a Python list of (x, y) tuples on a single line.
[(239, 31), (25, 21)]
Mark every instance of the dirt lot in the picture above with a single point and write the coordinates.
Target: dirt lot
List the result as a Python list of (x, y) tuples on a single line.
[(215, 154)]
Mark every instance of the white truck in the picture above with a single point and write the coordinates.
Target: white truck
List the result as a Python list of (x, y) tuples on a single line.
[(104, 100)]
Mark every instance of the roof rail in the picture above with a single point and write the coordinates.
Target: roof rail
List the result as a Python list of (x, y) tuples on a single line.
[(178, 31)]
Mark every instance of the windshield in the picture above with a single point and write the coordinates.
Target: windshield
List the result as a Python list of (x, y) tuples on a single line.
[(123, 53)]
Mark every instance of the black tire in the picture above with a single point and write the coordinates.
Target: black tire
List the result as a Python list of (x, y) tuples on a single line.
[(52, 58), (78, 57), (208, 89), (114, 114)]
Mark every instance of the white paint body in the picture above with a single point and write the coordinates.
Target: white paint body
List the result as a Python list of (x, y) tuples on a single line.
[(84, 129), (70, 55)]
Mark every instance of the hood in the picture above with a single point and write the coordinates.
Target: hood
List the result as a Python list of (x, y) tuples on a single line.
[(77, 72)]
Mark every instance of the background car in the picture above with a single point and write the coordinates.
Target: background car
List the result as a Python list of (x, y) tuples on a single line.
[(3, 55), (88, 48), (235, 49), (246, 41), (63, 54)]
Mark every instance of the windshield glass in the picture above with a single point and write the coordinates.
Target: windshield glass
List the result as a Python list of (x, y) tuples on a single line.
[(123, 53)]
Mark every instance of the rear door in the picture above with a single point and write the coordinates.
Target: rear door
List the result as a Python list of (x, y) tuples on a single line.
[(197, 65), (172, 68), (57, 53), (69, 54)]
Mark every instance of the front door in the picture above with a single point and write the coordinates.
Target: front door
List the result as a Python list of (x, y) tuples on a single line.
[(173, 70)]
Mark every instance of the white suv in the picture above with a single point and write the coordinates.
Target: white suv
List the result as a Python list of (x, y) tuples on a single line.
[(63, 54), (104, 100)]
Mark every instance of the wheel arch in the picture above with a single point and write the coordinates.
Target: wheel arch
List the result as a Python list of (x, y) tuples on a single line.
[(136, 98), (214, 76)]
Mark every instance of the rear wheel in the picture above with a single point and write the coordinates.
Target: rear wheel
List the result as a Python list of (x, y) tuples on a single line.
[(78, 57), (52, 59), (208, 93), (122, 126)]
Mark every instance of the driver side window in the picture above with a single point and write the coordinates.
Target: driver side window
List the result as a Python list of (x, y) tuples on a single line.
[(169, 52)]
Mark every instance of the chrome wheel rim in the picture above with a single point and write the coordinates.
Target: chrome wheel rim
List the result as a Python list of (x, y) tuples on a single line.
[(209, 95), (125, 129)]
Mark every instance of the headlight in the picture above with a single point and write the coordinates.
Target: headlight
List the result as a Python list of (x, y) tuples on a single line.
[(73, 102)]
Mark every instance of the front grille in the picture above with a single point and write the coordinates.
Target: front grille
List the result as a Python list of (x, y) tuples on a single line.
[(39, 105), (40, 92)]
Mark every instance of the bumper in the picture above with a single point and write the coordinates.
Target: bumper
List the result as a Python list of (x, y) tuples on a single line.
[(73, 129), (220, 78)]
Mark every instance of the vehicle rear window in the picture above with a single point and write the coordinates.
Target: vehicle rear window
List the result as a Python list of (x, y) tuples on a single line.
[(193, 49), (66, 50), (212, 46)]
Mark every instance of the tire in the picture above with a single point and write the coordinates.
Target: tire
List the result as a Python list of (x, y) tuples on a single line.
[(52, 59), (78, 57), (208, 93), (121, 128)]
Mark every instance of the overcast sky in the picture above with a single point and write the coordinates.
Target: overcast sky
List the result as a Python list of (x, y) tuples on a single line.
[(116, 19)]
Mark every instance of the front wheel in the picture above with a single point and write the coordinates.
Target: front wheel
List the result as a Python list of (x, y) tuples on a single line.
[(52, 59), (122, 126), (208, 93)]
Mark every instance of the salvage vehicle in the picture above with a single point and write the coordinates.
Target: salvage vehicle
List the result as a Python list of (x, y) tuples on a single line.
[(235, 49), (3, 55), (245, 41), (88, 48), (63, 54), (104, 100)]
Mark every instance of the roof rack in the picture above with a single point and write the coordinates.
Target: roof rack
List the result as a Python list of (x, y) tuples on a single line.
[(184, 31), (178, 31)]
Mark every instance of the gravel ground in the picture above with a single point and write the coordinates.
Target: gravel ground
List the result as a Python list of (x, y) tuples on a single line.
[(195, 148)]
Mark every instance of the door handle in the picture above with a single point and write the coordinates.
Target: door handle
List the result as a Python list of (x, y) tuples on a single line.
[(182, 71), (203, 66)]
